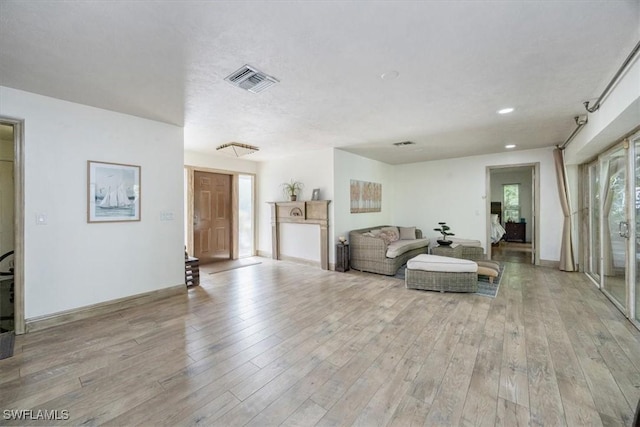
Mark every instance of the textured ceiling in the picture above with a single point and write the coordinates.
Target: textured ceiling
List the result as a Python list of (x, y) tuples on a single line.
[(457, 63)]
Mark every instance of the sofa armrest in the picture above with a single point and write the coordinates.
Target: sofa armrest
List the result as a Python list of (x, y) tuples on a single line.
[(366, 247)]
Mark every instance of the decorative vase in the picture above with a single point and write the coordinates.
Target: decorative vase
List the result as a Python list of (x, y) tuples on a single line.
[(444, 242), (293, 197)]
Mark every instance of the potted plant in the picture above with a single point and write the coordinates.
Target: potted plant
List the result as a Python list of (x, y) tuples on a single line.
[(292, 188), (444, 229)]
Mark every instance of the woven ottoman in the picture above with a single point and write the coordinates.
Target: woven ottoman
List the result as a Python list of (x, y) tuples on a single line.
[(439, 273), (488, 268)]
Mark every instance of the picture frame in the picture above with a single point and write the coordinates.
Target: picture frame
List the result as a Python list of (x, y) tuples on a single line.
[(365, 196), (113, 192), (316, 194)]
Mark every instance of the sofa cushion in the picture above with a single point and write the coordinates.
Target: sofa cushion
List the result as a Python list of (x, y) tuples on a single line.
[(442, 264), (397, 248), (407, 233)]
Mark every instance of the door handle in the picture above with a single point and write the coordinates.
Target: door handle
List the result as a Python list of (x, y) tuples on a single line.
[(623, 229)]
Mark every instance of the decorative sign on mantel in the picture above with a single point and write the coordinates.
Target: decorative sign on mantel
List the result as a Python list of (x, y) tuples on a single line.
[(303, 212)]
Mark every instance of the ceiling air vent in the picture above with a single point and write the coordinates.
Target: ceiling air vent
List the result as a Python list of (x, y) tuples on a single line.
[(248, 78), (403, 143)]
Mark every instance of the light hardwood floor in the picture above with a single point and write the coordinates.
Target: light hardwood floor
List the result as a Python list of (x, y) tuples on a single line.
[(286, 344), (512, 252)]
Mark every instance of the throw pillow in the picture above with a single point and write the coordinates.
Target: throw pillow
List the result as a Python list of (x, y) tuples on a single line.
[(407, 233), (389, 236), (384, 236), (392, 229), (375, 232)]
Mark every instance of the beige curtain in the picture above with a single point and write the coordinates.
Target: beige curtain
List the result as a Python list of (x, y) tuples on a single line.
[(567, 262)]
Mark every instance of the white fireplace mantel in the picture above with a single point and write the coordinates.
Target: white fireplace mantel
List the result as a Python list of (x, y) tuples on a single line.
[(303, 212)]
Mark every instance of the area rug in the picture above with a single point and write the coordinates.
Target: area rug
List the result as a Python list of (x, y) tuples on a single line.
[(485, 288), (6, 344)]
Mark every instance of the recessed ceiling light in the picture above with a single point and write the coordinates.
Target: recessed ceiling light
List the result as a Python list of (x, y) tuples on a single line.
[(505, 111), (510, 146), (390, 75)]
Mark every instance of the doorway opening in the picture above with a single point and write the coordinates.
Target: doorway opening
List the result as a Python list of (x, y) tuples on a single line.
[(11, 225), (219, 206), (512, 222)]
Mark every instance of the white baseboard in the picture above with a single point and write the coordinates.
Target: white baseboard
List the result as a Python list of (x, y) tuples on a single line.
[(47, 321), (309, 262), (301, 261), (549, 263)]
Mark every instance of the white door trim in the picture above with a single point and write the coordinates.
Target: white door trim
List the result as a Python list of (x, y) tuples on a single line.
[(18, 255)]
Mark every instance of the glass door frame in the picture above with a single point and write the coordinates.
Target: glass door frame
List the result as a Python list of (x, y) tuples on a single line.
[(631, 146), (634, 150), (604, 182), (589, 204), (253, 221)]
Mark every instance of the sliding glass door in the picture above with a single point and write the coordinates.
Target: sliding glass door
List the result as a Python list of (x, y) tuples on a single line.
[(615, 227), (612, 225)]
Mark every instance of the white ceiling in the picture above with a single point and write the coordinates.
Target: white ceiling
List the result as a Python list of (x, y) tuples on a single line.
[(458, 63)]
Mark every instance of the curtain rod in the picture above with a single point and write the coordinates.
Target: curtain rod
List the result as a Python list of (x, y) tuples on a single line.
[(626, 62), (580, 122)]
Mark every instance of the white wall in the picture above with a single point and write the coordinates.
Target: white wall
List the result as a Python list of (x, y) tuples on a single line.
[(68, 262), (315, 170), (220, 162), (455, 191), (350, 166)]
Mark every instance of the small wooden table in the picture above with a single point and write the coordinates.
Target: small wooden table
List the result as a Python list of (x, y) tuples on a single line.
[(192, 271), (342, 257)]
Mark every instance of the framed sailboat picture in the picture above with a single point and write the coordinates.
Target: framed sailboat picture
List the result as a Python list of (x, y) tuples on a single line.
[(113, 192)]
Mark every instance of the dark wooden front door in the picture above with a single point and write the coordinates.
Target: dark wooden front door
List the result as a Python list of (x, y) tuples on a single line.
[(212, 212)]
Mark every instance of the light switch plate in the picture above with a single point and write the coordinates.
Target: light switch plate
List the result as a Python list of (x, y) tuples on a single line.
[(41, 219)]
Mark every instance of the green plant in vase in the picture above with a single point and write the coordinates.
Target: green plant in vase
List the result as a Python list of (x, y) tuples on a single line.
[(291, 189), (444, 230)]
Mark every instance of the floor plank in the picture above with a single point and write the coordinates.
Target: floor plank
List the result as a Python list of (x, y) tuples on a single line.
[(279, 343)]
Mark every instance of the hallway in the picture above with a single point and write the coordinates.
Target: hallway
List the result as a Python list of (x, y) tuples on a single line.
[(512, 252)]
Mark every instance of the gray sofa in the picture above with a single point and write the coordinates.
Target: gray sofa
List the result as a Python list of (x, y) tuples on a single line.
[(368, 253)]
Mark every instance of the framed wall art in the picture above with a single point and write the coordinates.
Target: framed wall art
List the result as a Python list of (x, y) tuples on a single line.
[(365, 196), (113, 192)]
